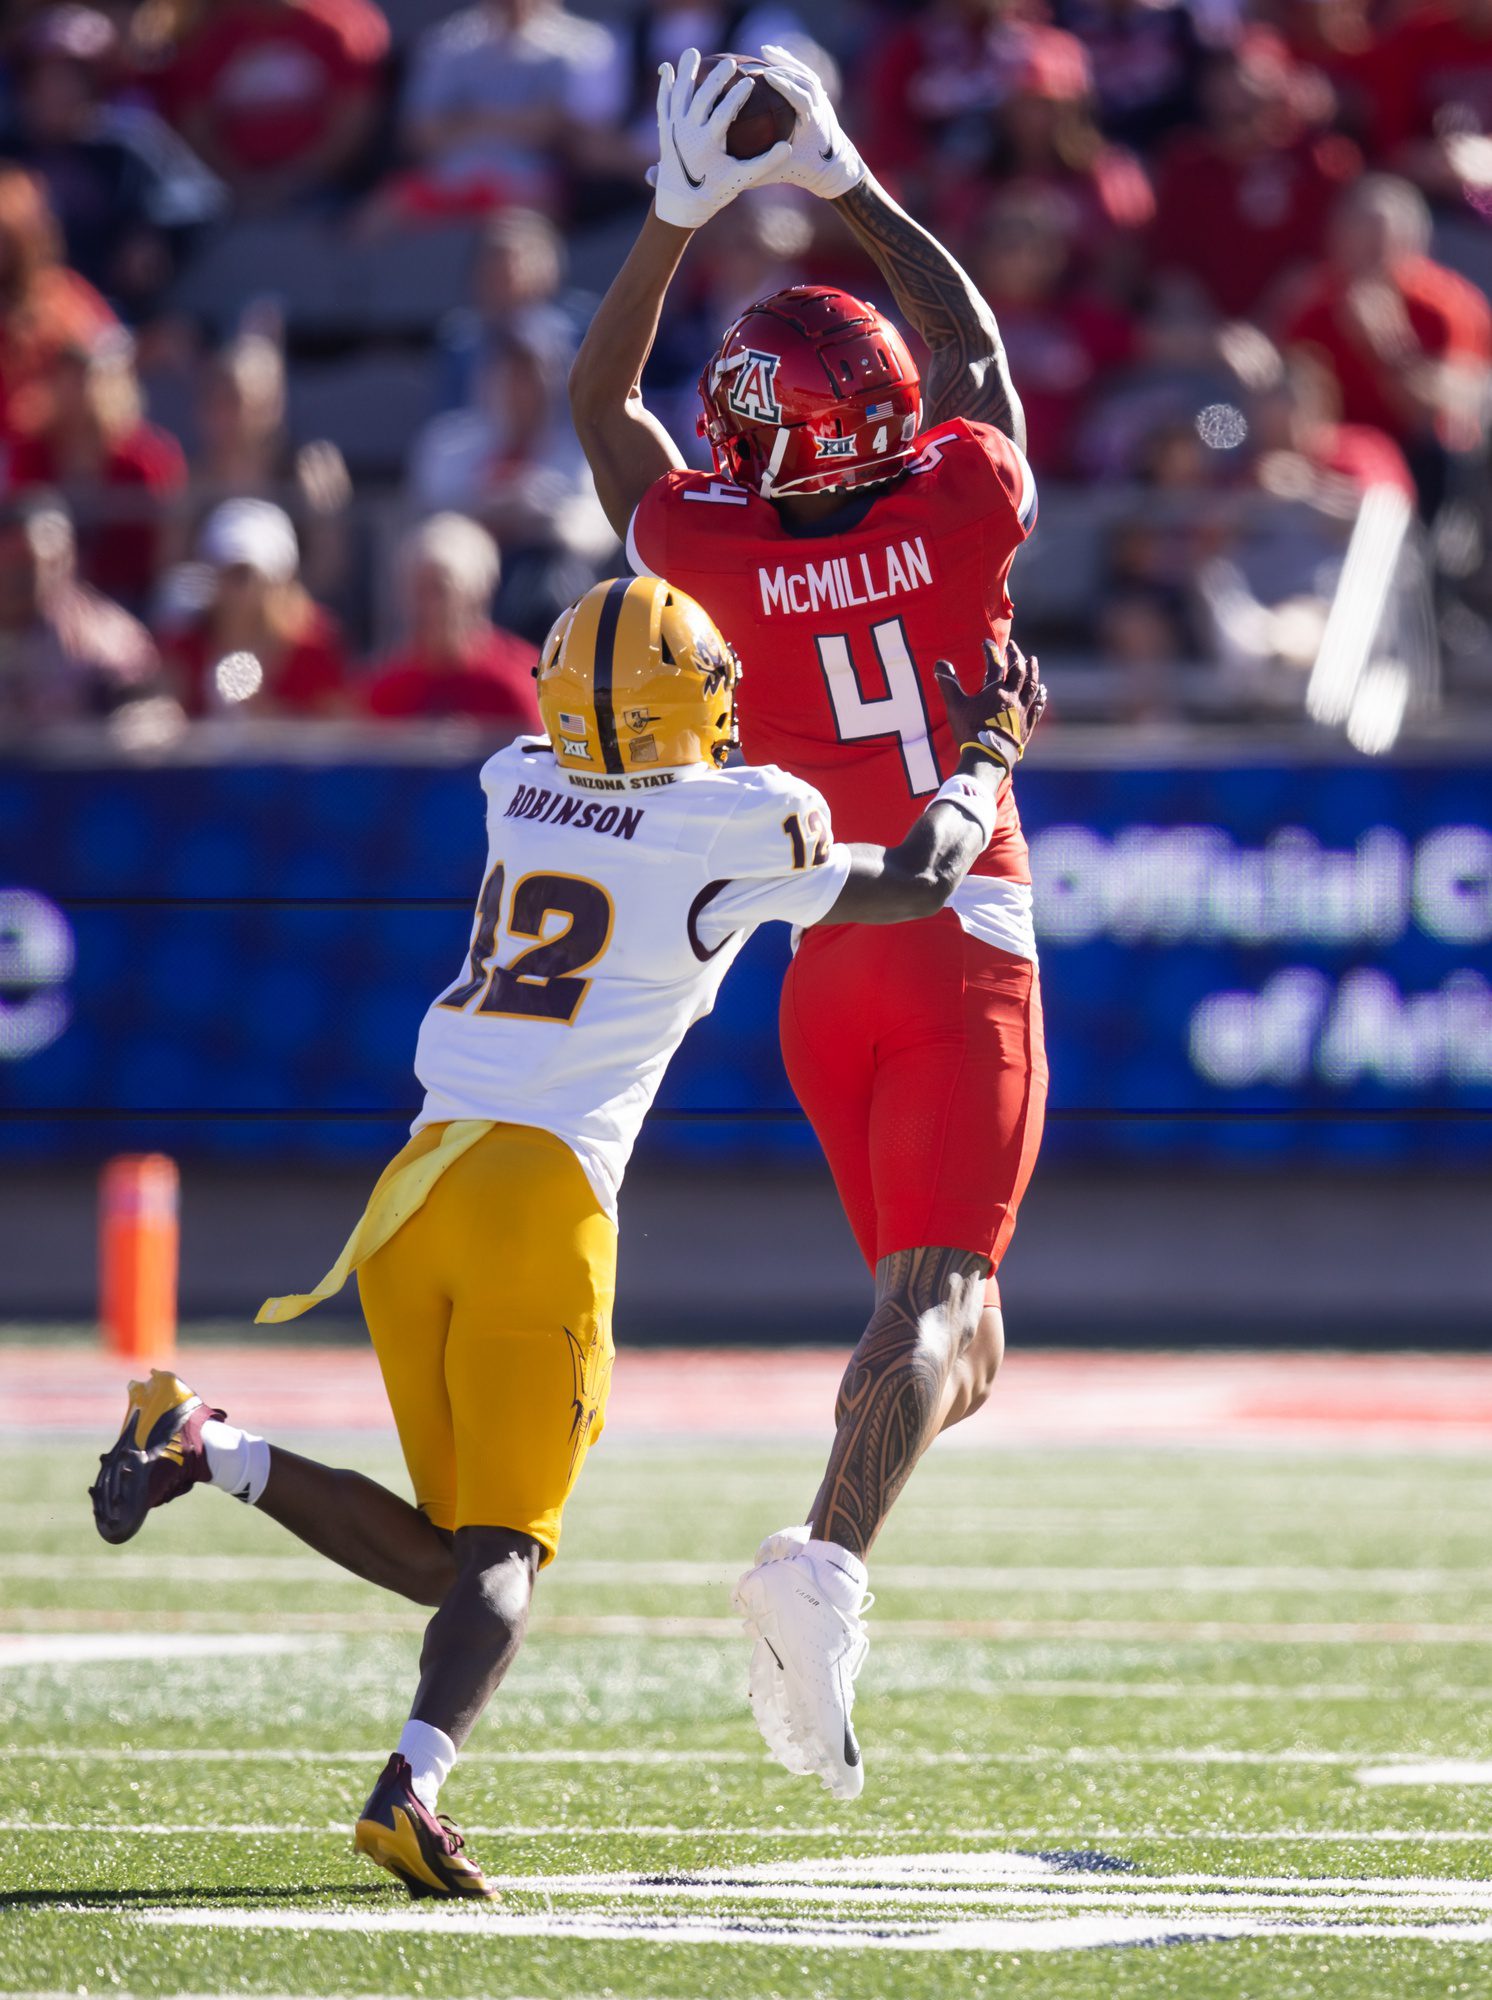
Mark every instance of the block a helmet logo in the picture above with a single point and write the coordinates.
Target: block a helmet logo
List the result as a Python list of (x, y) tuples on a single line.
[(753, 390)]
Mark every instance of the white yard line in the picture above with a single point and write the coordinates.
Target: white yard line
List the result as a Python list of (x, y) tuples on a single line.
[(1214, 1691), (1392, 1632), (1056, 1898), (1121, 1755), (47, 1649), (1045, 1578), (1047, 1837), (1002, 1866), (982, 1935), (1428, 1771), (1273, 1692), (278, 1754), (627, 1625)]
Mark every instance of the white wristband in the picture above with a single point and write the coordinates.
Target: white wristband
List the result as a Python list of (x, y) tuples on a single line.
[(971, 798)]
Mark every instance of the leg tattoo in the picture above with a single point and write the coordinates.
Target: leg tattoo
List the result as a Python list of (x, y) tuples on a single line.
[(891, 1399)]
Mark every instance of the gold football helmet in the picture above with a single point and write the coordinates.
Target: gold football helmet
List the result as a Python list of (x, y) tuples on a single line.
[(635, 677)]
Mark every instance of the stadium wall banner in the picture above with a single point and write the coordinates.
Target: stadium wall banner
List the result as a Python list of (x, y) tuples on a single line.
[(1239, 961)]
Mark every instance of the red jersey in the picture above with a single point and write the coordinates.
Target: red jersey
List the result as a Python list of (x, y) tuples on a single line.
[(120, 549), (493, 682), (307, 679), (1237, 225), (273, 76), (1435, 77), (838, 633), (1449, 316)]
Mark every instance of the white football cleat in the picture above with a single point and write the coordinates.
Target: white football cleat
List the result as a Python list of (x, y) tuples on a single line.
[(768, 1705), (764, 1677), (805, 1609)]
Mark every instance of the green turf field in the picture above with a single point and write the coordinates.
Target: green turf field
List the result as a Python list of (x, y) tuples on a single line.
[(1203, 1653)]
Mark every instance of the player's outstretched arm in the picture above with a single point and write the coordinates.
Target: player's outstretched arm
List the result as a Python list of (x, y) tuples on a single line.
[(628, 448), (626, 445), (968, 375), (890, 885)]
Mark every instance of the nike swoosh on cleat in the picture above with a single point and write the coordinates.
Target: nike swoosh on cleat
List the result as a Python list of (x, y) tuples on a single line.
[(684, 169), (851, 1748), (775, 1654)]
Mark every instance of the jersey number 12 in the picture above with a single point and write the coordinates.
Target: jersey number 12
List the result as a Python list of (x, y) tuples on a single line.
[(900, 712), (542, 983)]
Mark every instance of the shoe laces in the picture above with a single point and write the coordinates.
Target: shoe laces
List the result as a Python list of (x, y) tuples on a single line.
[(854, 1624), (456, 1841), (859, 1642)]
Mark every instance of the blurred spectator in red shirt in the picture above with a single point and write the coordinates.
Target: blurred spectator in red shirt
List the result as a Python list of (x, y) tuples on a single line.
[(1045, 137), (1341, 39), (280, 97), (1245, 200), (258, 641), (44, 307), (243, 451), (1300, 450), (454, 660), (1060, 342), (119, 474), (1409, 342), (66, 652), (125, 187), (1435, 101), (492, 97), (1146, 57), (931, 87)]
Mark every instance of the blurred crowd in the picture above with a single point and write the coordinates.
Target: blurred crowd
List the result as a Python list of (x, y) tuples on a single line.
[(259, 458)]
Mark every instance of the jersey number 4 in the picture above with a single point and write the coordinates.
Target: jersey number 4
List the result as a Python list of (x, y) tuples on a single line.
[(900, 712), (542, 983)]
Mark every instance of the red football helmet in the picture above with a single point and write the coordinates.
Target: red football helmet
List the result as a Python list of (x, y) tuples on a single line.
[(811, 391)]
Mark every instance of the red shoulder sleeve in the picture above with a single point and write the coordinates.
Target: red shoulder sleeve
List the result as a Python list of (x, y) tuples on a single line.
[(669, 536), (1012, 472), (647, 531)]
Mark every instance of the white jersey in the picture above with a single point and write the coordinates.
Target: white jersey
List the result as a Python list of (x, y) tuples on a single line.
[(606, 922)]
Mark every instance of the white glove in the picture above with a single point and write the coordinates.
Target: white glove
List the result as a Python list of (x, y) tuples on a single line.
[(822, 160), (695, 177)]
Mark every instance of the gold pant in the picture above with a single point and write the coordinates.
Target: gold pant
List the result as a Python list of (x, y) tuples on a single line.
[(490, 1311)]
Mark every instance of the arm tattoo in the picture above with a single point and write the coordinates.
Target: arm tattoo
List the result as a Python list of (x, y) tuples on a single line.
[(893, 1388), (968, 375)]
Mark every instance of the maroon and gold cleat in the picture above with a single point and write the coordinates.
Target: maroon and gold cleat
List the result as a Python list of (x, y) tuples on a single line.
[(400, 1833), (157, 1456)]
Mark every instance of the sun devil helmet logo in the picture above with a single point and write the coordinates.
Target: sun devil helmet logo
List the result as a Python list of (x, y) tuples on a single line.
[(753, 389)]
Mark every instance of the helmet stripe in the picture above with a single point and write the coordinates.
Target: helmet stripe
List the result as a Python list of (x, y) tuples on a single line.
[(611, 611)]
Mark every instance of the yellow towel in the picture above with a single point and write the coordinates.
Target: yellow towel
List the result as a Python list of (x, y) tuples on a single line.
[(390, 1206)]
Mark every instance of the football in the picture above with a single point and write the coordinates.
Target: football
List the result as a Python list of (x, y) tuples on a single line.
[(763, 119)]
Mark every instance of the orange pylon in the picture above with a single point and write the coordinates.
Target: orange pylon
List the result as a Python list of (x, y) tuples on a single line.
[(139, 1244)]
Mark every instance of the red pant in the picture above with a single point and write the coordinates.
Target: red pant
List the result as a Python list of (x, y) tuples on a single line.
[(917, 1053)]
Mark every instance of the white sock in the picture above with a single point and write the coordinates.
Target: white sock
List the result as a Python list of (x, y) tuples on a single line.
[(431, 1755), (236, 1460)]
